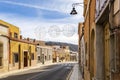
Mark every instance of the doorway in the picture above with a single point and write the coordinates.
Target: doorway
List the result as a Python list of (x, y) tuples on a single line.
[(25, 59), (1, 54)]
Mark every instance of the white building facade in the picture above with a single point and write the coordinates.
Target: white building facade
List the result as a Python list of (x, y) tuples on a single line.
[(4, 48), (44, 54)]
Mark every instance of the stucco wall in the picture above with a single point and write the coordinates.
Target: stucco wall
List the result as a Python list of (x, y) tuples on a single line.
[(4, 40)]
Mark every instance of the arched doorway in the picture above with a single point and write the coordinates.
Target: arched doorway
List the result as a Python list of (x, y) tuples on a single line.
[(92, 57)]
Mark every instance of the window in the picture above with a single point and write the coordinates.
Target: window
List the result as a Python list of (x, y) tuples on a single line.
[(38, 58), (10, 34), (15, 57), (1, 54), (45, 58), (15, 35), (49, 57), (36, 49), (32, 56), (0, 61)]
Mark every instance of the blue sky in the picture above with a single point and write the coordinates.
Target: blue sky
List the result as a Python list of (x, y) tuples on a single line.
[(31, 14)]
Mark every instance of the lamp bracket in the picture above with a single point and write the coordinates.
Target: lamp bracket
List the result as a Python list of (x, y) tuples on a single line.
[(77, 4)]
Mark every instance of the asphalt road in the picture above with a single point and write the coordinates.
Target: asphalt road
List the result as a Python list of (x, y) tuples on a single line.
[(52, 72)]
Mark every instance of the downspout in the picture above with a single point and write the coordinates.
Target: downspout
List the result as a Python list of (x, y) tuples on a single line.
[(89, 36), (9, 54), (111, 34), (9, 62)]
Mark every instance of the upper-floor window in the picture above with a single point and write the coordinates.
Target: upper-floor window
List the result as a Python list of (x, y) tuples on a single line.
[(10, 34), (15, 35)]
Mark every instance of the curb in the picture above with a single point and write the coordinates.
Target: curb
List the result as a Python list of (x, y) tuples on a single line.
[(69, 75)]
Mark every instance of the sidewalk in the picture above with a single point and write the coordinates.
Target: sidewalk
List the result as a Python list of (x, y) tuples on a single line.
[(2, 75), (76, 75)]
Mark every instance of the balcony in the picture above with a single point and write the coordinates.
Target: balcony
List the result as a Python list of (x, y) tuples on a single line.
[(101, 6)]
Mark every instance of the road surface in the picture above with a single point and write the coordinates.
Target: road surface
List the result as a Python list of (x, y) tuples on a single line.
[(51, 72)]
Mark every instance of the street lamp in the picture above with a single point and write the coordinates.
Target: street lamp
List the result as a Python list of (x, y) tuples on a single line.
[(74, 12)]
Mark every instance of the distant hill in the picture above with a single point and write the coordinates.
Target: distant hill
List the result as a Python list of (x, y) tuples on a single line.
[(72, 47)]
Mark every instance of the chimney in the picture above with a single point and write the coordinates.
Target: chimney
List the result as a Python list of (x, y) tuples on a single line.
[(20, 36), (10, 34), (28, 39), (34, 40)]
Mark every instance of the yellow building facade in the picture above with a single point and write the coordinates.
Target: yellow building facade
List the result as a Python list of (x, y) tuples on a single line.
[(61, 53), (22, 55), (22, 52)]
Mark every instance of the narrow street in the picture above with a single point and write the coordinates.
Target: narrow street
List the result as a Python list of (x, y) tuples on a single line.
[(51, 72)]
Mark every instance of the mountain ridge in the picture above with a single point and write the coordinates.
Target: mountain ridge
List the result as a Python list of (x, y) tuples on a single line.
[(72, 47)]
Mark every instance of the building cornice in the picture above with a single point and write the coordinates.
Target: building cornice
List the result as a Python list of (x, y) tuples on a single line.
[(3, 25), (6, 24), (21, 40)]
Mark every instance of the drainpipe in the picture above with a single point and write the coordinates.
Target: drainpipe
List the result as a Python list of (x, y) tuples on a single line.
[(111, 33), (9, 62), (89, 38)]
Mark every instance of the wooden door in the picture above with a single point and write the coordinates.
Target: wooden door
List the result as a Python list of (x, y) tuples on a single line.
[(25, 59)]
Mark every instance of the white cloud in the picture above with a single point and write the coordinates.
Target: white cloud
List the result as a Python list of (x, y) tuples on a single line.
[(28, 26)]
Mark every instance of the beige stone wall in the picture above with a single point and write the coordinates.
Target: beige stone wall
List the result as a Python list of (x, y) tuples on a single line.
[(100, 40), (45, 54), (86, 38), (89, 14), (86, 74)]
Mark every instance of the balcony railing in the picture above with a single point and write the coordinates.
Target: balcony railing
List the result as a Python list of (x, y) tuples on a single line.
[(100, 4)]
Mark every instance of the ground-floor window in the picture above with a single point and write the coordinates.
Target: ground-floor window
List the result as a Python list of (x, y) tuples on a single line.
[(38, 59), (1, 54), (45, 57), (32, 56), (15, 58), (0, 61), (49, 57)]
